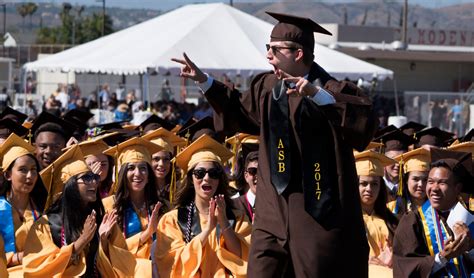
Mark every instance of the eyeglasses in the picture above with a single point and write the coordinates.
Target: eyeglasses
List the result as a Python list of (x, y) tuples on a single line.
[(252, 171), (89, 178), (200, 173), (276, 49)]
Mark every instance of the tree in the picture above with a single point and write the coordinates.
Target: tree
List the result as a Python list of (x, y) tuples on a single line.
[(31, 8), (23, 12)]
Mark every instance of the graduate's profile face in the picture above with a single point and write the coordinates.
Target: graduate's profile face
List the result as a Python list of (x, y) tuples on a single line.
[(23, 175), (205, 186), (369, 187), (137, 176), (441, 188), (282, 57), (161, 164), (250, 175), (417, 184)]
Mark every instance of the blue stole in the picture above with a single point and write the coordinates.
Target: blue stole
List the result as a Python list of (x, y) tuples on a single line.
[(7, 229), (132, 224), (398, 204), (435, 234)]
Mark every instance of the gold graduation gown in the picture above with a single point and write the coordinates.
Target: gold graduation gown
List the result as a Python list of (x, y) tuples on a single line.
[(3, 260), (42, 258), (377, 235), (175, 258), (125, 257), (21, 225)]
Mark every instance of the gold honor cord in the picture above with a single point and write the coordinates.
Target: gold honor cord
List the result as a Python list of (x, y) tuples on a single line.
[(173, 181), (400, 177)]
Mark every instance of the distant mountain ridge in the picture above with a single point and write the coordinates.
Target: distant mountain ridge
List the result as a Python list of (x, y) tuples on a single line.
[(383, 13)]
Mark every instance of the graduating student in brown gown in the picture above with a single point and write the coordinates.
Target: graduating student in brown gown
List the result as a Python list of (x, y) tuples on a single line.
[(308, 222), (424, 245)]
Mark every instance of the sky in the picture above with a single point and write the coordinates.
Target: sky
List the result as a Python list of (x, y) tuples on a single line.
[(171, 4)]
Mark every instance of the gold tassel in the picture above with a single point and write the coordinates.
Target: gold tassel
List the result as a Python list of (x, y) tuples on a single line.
[(173, 181), (113, 188), (400, 178), (29, 136)]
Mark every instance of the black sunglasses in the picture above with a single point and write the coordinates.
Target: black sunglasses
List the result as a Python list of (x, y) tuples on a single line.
[(89, 178), (276, 49), (252, 171), (214, 173)]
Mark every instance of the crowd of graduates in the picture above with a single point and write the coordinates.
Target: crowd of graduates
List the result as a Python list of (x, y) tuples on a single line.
[(120, 200)]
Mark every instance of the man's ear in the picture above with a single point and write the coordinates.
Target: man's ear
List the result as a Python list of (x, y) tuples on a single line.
[(299, 55)]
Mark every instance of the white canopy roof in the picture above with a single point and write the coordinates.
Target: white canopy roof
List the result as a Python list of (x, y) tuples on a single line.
[(215, 36)]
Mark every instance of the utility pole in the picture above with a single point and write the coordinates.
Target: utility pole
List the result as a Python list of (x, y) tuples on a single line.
[(103, 17), (4, 6), (231, 3), (405, 23)]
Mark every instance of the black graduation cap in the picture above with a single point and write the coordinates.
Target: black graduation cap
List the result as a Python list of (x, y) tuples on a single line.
[(396, 141), (411, 127), (8, 126), (383, 131), (432, 136), (48, 122), (119, 136), (110, 126), (468, 137), (188, 123), (154, 122), (460, 163), (78, 114), (13, 114), (296, 29), (194, 131)]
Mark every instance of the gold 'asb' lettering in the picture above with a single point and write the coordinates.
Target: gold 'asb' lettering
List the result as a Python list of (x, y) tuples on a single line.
[(281, 167), (280, 144)]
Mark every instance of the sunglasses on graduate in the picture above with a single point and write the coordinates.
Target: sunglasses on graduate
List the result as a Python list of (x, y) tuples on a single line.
[(251, 171), (200, 173), (89, 178), (276, 49)]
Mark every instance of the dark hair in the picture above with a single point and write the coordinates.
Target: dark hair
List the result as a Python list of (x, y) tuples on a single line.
[(51, 127), (38, 194), (252, 156), (380, 208), (459, 175), (186, 193), (74, 214), (122, 196), (107, 183)]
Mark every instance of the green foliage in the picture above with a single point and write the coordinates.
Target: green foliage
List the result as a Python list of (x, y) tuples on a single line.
[(75, 29)]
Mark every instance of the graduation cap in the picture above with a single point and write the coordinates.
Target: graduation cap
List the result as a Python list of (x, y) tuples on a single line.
[(69, 164), (133, 150), (204, 149), (12, 148), (187, 124), (79, 115), (411, 127), (165, 139), (369, 163), (154, 122), (295, 29), (460, 163), (432, 136), (13, 114), (468, 137), (467, 147), (415, 160), (194, 131), (396, 141), (93, 146), (8, 126), (110, 126), (383, 131), (49, 122)]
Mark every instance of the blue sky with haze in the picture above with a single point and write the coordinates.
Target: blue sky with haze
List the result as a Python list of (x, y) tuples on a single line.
[(171, 4)]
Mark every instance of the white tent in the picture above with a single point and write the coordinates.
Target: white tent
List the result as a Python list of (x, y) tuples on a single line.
[(216, 37)]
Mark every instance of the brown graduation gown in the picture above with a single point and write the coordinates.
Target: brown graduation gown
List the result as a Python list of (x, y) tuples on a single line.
[(282, 227), (240, 204), (411, 257)]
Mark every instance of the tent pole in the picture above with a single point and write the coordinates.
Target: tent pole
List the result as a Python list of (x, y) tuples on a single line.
[(141, 88), (147, 76), (396, 96)]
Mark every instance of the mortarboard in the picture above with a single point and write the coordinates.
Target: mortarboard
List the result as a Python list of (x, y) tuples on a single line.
[(395, 141), (133, 150), (13, 114), (460, 164), (154, 122), (369, 163), (165, 139), (194, 131), (13, 148), (8, 126), (49, 122), (415, 160), (467, 147), (69, 164), (469, 136), (79, 115), (411, 127), (202, 150), (188, 123), (295, 29), (93, 146), (432, 136), (383, 131)]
